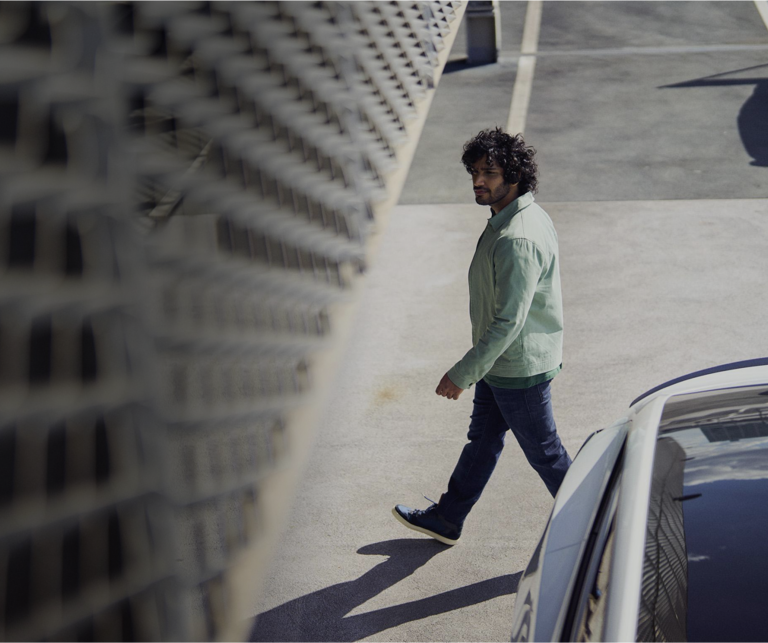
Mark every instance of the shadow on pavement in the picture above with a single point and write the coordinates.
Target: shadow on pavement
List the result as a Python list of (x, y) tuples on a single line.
[(752, 120), (460, 64), (321, 615), (753, 124)]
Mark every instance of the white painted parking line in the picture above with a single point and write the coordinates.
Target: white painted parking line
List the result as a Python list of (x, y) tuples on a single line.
[(532, 27), (521, 93), (762, 7)]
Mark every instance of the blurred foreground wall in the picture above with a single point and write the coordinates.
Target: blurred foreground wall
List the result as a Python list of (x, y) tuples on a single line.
[(187, 192)]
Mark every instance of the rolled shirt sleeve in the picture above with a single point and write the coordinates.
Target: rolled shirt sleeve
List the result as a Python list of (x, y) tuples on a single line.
[(517, 267)]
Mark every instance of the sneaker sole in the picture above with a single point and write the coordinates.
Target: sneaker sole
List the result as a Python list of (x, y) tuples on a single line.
[(442, 539)]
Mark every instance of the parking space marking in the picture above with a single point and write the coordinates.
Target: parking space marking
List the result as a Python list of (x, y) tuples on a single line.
[(526, 62), (640, 51), (521, 92), (762, 7), (532, 27)]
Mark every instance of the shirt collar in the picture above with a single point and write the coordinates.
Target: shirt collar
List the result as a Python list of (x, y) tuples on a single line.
[(503, 217)]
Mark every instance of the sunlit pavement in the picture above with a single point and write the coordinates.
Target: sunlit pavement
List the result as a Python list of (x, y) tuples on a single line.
[(654, 155)]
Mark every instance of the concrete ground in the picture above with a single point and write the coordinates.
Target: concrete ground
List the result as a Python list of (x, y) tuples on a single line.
[(650, 121)]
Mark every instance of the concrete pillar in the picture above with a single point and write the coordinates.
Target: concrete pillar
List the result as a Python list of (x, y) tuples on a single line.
[(483, 32)]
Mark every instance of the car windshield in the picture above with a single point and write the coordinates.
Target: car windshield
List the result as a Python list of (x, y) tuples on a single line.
[(705, 574)]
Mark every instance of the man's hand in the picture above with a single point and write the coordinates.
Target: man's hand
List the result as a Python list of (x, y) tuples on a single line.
[(448, 389)]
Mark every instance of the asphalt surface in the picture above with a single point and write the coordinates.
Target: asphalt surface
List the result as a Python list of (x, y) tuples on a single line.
[(651, 122), (630, 101)]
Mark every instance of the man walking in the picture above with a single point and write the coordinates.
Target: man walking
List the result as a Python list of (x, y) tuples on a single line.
[(515, 306)]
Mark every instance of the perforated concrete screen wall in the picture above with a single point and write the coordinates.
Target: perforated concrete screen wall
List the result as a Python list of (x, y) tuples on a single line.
[(186, 195)]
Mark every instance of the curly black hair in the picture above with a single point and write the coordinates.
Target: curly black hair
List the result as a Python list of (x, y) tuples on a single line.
[(510, 153)]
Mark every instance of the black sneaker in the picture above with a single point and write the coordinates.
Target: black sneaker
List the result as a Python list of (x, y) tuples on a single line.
[(429, 522)]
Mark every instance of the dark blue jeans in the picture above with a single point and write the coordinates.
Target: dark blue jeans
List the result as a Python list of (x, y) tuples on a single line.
[(528, 413)]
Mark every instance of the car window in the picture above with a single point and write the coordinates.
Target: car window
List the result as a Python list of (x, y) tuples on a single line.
[(705, 569), (590, 627), (662, 612), (585, 618)]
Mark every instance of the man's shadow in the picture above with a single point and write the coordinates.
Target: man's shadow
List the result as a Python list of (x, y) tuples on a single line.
[(753, 117), (321, 615)]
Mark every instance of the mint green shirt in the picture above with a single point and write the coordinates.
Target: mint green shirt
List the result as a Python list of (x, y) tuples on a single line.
[(515, 301), (522, 382)]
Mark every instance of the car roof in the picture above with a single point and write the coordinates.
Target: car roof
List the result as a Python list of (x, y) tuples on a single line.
[(714, 521), (640, 427), (644, 417), (723, 368)]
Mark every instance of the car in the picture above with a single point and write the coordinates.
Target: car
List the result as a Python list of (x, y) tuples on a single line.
[(658, 531)]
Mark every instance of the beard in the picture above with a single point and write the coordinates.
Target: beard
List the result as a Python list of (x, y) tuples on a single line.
[(489, 197)]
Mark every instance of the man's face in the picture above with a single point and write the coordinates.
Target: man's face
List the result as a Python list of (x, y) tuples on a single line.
[(488, 184)]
